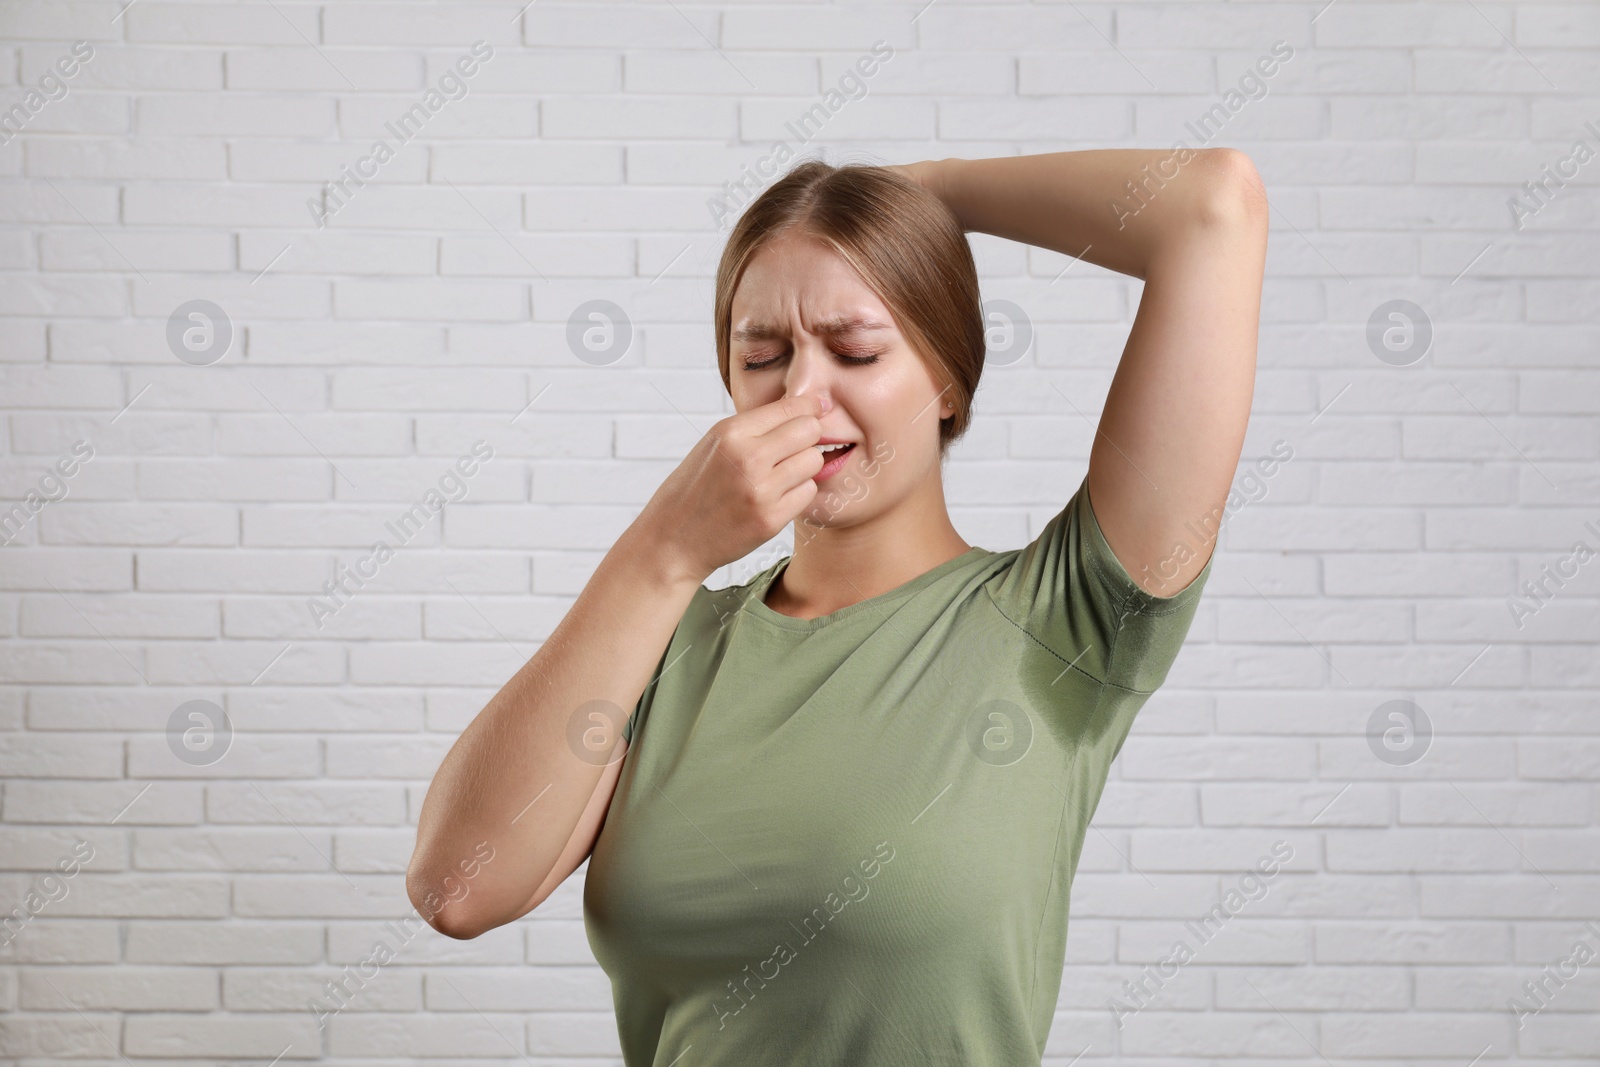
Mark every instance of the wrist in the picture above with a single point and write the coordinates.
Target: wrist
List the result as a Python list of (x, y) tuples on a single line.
[(943, 183), (658, 558)]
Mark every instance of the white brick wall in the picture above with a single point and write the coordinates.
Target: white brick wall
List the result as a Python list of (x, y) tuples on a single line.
[(431, 310)]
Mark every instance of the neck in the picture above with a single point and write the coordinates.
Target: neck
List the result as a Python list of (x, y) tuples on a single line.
[(834, 567)]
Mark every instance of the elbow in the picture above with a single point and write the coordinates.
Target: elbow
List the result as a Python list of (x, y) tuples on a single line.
[(449, 917), (1234, 193), (455, 926)]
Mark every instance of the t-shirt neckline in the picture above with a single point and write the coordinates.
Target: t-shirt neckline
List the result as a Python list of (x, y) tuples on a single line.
[(755, 602)]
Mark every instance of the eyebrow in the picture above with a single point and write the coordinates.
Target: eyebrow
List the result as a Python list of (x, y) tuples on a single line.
[(839, 324)]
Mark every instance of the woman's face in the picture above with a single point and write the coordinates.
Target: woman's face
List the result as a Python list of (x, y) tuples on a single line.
[(804, 322)]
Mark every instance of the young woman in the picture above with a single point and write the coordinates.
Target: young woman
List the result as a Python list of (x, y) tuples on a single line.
[(843, 817)]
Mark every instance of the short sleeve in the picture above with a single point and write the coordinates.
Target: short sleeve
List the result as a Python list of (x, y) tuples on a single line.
[(640, 709), (633, 719), (646, 698), (1068, 591)]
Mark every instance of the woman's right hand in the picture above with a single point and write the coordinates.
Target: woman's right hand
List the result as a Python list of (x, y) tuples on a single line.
[(741, 484)]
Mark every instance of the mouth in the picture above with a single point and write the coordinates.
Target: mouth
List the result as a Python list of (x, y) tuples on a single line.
[(834, 457)]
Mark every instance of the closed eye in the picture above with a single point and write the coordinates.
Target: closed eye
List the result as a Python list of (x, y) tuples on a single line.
[(854, 361)]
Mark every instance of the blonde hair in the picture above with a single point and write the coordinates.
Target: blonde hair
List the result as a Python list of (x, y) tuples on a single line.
[(904, 242)]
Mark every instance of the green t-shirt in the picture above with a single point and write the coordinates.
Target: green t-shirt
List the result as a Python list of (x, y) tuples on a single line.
[(850, 840)]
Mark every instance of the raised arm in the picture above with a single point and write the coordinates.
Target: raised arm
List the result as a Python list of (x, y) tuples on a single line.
[(1192, 224)]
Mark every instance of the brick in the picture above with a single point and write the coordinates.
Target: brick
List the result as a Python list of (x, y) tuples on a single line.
[(520, 255), (286, 989), (130, 989), (52, 850), (327, 252), (532, 989), (1406, 25), (1558, 26), (142, 524), (227, 943), (50, 19), (259, 24), (142, 158), (362, 118), (1478, 848), (1416, 1034), (1003, 28), (56, 295), (118, 616), (1235, 1034), (312, 434), (627, 118), (343, 344), (540, 163), (245, 663), (613, 26), (434, 300), (408, 24), (274, 758), (210, 204), (135, 68), (220, 114), (68, 250), (1411, 943), (264, 160), (44, 662), (79, 801), (416, 757), (306, 804), (302, 70), (539, 69), (1026, 116)]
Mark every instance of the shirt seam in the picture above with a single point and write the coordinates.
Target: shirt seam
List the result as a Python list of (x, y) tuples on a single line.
[(1055, 855), (1110, 652), (1139, 596), (789, 622), (1097, 550), (1094, 716), (755, 591)]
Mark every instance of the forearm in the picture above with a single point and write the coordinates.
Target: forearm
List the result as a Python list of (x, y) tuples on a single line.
[(1114, 207)]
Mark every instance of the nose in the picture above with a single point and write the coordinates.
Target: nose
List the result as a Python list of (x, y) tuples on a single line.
[(808, 374)]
